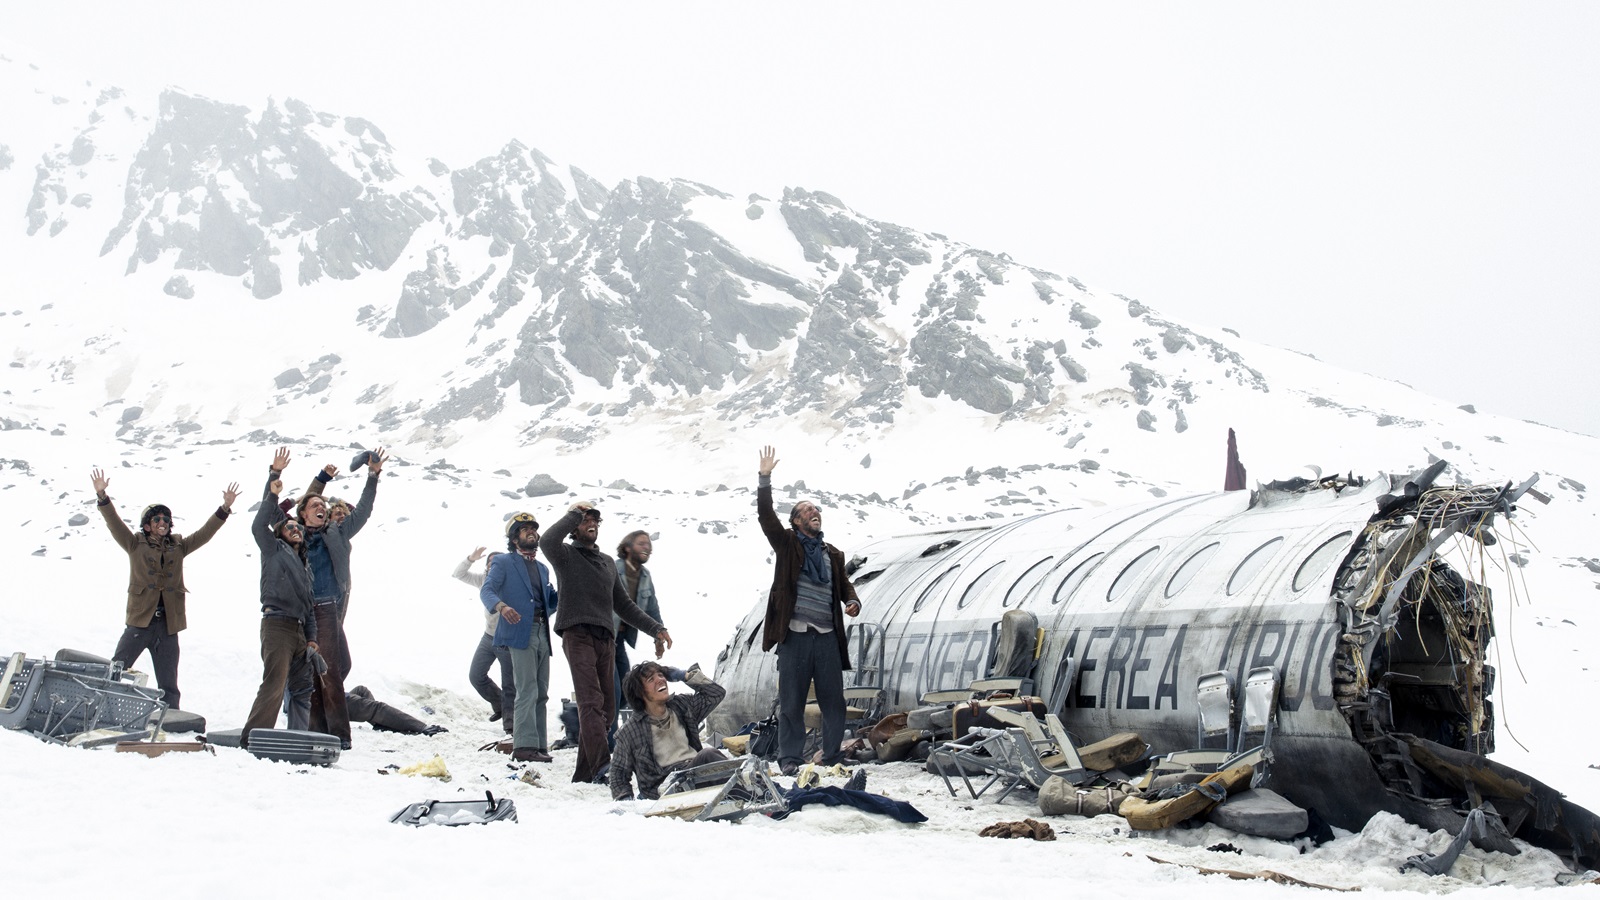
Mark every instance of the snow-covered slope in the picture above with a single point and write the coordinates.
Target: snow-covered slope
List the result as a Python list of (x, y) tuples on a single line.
[(190, 283)]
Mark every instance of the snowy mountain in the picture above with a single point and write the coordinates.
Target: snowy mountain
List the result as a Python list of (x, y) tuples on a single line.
[(193, 282)]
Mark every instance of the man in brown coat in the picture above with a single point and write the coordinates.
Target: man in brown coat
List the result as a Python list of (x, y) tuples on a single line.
[(806, 607), (155, 581)]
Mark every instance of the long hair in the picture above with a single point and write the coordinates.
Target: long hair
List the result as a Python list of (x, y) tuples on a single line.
[(627, 541), (300, 548), (633, 683)]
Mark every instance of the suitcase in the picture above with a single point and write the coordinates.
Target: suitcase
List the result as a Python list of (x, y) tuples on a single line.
[(302, 747), (1116, 750), (457, 812), (975, 713), (182, 721)]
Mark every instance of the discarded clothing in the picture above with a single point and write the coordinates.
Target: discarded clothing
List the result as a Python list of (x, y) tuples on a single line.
[(898, 810), (1027, 828)]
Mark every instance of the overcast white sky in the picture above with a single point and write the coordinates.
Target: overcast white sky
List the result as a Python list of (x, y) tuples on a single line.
[(1411, 190)]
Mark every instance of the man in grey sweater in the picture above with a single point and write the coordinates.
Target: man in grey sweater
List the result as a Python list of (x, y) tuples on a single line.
[(591, 593)]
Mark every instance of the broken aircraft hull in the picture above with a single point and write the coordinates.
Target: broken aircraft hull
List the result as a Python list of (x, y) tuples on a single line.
[(1339, 586)]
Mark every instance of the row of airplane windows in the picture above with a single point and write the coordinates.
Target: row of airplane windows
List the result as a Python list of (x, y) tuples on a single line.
[(1025, 586)]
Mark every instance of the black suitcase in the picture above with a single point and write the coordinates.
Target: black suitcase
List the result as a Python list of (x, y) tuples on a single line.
[(458, 812), (285, 745)]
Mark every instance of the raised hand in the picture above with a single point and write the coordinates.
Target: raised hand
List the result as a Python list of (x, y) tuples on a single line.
[(100, 482), (376, 460), (280, 460), (475, 555), (330, 470), (230, 495), (769, 460), (276, 487)]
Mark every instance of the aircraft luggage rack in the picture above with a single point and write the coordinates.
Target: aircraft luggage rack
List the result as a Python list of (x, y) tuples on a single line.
[(727, 790), (79, 703)]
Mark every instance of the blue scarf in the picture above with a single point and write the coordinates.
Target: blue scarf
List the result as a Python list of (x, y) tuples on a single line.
[(816, 565)]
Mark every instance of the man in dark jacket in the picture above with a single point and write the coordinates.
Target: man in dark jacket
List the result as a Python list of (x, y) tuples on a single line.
[(805, 620), (518, 589), (328, 551), (591, 593), (288, 625), (156, 593), (664, 734)]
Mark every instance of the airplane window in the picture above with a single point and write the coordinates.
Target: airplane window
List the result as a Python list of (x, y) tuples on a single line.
[(1029, 580), (1252, 565), (1075, 578), (1319, 560), (1191, 567), (937, 583), (866, 577), (980, 584), (1131, 573)]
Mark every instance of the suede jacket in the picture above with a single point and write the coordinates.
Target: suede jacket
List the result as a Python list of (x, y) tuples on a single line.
[(155, 567)]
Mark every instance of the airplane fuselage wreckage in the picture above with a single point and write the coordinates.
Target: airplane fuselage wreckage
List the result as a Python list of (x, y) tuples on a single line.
[(1336, 589)]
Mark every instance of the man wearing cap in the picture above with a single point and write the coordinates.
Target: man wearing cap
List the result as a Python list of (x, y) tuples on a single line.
[(591, 592), (805, 620), (155, 581), (518, 589)]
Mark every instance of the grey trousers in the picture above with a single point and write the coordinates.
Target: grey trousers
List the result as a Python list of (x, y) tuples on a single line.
[(502, 697), (163, 649), (804, 657), (530, 667)]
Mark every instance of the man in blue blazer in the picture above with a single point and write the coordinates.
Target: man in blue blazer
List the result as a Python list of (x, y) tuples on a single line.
[(518, 589)]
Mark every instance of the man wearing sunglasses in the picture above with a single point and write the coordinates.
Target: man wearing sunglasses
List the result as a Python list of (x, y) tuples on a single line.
[(591, 593), (156, 593)]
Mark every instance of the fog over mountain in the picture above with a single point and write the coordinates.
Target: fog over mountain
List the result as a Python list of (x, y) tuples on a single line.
[(415, 299)]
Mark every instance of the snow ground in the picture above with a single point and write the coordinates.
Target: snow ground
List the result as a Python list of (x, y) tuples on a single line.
[(412, 630)]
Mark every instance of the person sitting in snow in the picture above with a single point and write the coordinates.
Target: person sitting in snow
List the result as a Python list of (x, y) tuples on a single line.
[(156, 593), (663, 735)]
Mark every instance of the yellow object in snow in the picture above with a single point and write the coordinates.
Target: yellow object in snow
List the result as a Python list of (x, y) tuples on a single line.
[(433, 768)]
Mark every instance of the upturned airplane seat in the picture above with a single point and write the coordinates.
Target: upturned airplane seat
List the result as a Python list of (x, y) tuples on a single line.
[(1025, 753), (1010, 667), (727, 790), (1214, 699), (1259, 719)]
